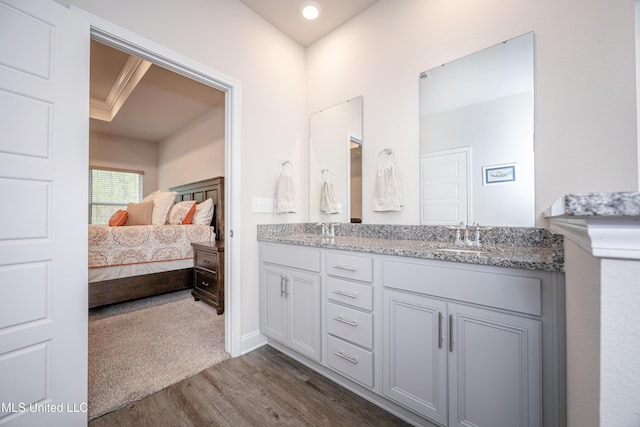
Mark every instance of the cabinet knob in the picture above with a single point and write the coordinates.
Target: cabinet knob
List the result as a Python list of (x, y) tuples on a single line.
[(204, 283)]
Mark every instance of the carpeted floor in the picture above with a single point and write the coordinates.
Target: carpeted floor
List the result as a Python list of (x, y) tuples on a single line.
[(136, 349)]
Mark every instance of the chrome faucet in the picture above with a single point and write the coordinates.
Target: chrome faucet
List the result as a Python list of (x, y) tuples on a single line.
[(324, 228), (328, 230)]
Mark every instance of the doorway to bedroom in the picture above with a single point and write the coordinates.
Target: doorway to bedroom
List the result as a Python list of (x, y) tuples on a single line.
[(170, 130)]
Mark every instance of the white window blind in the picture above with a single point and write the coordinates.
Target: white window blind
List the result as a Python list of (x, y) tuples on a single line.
[(110, 190)]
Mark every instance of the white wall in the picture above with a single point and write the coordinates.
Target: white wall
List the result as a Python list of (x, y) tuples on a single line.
[(584, 89), (194, 153), (228, 37), (122, 153)]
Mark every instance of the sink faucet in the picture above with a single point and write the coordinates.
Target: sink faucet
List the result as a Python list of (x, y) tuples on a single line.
[(328, 229), (477, 229), (464, 239), (324, 228)]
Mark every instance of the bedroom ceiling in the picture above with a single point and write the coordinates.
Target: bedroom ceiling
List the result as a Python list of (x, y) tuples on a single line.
[(148, 103), (285, 15), (155, 104)]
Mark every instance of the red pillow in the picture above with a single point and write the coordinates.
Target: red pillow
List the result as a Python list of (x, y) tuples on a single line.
[(118, 218), (189, 216)]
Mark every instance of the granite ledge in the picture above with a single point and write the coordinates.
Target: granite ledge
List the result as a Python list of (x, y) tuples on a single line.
[(521, 248), (606, 205)]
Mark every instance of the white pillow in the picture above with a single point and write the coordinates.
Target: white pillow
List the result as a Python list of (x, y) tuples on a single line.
[(179, 212), (162, 203), (204, 213)]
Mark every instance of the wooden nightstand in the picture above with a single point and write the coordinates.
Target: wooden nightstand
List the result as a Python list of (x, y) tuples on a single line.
[(208, 273)]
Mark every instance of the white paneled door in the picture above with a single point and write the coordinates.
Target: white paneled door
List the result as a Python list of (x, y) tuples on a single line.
[(44, 92), (444, 187)]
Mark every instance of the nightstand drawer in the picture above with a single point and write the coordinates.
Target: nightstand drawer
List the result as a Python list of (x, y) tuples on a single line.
[(206, 281), (206, 260)]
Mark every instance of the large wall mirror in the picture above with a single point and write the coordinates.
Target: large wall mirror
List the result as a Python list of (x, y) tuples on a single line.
[(335, 163), (476, 138)]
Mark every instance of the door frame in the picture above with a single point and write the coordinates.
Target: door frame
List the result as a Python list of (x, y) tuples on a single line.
[(119, 38)]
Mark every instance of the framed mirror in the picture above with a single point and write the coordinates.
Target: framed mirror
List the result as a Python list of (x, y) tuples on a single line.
[(335, 163), (476, 138)]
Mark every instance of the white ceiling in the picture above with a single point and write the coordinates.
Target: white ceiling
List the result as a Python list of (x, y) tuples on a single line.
[(163, 102), (285, 15)]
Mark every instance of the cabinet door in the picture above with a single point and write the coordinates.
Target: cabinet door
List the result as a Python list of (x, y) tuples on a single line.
[(415, 353), (494, 369), (303, 292), (274, 308)]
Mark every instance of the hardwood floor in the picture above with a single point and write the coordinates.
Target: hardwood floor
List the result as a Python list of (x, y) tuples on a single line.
[(262, 388)]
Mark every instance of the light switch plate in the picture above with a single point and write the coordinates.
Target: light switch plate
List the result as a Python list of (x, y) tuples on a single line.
[(262, 205)]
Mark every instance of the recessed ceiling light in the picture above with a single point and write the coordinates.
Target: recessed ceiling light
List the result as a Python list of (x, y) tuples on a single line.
[(310, 9)]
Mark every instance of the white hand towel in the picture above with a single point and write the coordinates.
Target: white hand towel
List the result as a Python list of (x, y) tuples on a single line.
[(286, 195), (388, 194), (327, 199)]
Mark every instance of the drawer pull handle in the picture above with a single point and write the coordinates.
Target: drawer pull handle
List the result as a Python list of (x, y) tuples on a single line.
[(204, 283), (348, 322), (353, 360), (205, 261), (346, 294), (345, 267)]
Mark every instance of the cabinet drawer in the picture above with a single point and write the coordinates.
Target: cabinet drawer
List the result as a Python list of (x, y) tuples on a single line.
[(349, 324), (352, 293), (350, 266), (291, 256), (507, 291), (206, 281), (206, 260), (350, 360)]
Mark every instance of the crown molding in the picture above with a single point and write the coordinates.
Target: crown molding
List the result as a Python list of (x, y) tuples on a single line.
[(130, 75)]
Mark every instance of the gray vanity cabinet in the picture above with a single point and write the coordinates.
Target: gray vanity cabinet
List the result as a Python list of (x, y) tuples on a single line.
[(291, 299), (494, 368), (450, 343), (493, 373), (414, 353), (456, 362)]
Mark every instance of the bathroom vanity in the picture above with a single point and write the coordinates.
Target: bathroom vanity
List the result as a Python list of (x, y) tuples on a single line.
[(436, 333)]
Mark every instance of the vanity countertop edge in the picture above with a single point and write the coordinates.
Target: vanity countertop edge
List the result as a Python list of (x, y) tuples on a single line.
[(514, 247), (601, 205)]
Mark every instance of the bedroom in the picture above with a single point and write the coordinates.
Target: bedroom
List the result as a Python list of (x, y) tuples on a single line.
[(157, 127), (576, 109), (161, 130)]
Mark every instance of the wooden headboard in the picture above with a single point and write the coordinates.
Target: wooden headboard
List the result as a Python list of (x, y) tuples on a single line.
[(202, 190)]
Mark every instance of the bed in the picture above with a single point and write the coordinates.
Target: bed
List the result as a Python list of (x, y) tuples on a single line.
[(142, 269)]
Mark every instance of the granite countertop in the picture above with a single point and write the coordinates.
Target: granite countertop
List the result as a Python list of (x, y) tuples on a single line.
[(620, 204), (536, 256)]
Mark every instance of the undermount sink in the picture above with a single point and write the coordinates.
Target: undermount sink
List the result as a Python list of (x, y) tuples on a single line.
[(461, 251)]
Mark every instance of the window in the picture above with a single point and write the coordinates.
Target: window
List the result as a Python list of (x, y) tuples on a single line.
[(110, 190)]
